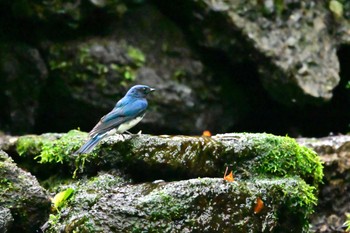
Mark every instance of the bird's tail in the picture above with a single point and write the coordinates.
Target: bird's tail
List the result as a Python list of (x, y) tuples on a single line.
[(90, 144)]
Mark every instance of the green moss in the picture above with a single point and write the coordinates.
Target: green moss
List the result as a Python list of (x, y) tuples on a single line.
[(5, 185), (136, 55), (82, 65), (53, 148), (30, 144), (347, 223), (279, 156), (58, 151), (164, 206)]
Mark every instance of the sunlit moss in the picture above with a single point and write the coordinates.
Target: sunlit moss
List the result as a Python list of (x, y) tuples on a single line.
[(267, 154), (59, 150), (50, 148)]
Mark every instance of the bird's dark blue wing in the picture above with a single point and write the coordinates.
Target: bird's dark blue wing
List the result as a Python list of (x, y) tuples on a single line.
[(125, 110)]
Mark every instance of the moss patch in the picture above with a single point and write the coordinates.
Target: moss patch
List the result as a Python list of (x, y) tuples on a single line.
[(85, 65), (277, 156), (50, 148)]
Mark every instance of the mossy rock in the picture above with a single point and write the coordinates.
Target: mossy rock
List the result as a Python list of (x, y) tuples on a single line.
[(21, 193), (202, 204), (283, 174), (154, 157)]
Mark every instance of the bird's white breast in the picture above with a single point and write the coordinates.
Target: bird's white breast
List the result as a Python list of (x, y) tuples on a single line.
[(128, 125)]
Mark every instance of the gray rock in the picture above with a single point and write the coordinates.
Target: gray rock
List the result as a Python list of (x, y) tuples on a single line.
[(290, 42), (195, 205), (21, 193), (109, 203), (334, 195), (6, 219), (23, 74), (156, 157)]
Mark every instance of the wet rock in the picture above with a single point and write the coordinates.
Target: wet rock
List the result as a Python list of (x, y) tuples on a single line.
[(334, 195), (21, 193), (155, 157), (203, 205), (107, 202), (6, 219), (8, 143), (288, 40)]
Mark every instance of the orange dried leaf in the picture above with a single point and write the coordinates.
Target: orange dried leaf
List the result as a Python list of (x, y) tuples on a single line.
[(229, 177), (258, 206), (206, 133)]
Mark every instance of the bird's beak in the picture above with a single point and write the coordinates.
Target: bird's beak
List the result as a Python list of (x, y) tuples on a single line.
[(152, 90)]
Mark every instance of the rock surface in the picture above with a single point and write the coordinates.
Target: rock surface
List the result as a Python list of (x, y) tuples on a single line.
[(276, 170), (203, 205), (24, 203), (249, 155), (334, 196), (6, 219), (292, 46)]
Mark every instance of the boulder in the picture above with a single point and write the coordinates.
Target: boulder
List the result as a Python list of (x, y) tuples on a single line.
[(334, 194), (154, 157), (21, 67), (274, 179), (25, 205), (195, 205), (294, 49)]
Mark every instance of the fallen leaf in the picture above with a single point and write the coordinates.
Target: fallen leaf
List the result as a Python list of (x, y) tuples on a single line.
[(206, 133), (60, 198), (258, 206), (228, 177)]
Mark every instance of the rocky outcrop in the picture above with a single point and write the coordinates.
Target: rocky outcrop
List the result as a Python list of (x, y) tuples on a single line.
[(273, 177), (334, 196), (289, 41), (25, 205), (202, 204), (154, 157)]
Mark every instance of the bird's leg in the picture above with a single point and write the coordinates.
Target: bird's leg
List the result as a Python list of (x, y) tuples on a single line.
[(139, 133)]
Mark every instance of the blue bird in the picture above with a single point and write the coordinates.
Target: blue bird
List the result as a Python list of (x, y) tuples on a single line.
[(126, 114)]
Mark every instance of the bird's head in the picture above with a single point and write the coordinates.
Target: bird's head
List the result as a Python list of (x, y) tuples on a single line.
[(139, 91)]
